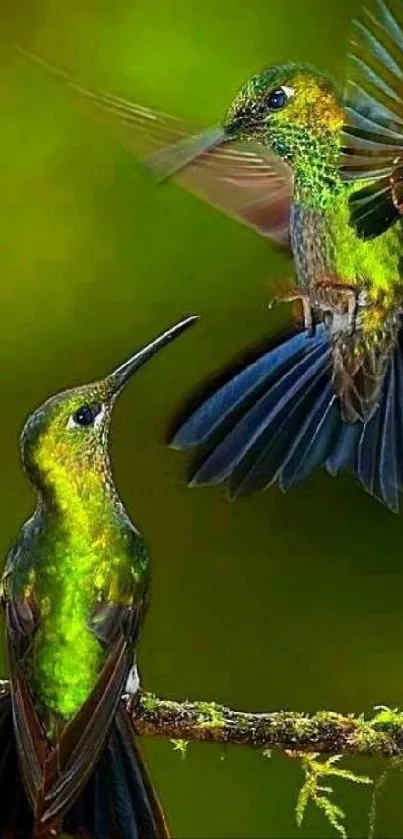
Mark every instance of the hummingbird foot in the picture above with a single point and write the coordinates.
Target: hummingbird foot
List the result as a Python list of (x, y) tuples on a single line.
[(340, 301), (307, 308), (336, 302)]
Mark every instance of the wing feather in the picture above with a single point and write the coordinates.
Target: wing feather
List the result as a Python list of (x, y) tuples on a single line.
[(243, 180), (373, 134)]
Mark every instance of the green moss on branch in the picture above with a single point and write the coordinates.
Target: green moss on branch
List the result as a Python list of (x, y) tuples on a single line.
[(325, 732)]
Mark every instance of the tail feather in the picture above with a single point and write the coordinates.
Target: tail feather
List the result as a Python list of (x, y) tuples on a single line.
[(120, 786), (100, 821), (399, 417), (388, 465), (281, 418), (368, 461), (16, 821), (118, 802), (313, 442), (343, 452), (377, 455), (149, 816), (264, 462)]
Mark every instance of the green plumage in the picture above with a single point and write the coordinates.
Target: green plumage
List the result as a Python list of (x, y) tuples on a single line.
[(78, 555), (75, 589)]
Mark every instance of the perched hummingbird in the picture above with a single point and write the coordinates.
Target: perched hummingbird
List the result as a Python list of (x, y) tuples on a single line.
[(320, 173), (74, 590)]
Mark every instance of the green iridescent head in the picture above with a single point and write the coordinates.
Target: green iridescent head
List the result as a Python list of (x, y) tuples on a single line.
[(282, 102), (65, 440), (294, 111)]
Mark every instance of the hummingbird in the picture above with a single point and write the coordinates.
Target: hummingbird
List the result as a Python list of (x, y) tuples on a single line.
[(74, 591), (319, 171)]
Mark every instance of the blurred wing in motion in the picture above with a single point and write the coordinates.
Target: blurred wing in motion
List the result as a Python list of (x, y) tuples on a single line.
[(373, 135), (243, 180)]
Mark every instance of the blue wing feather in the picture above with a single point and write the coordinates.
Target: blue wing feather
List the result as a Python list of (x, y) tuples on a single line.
[(279, 419), (262, 420), (263, 462), (229, 398)]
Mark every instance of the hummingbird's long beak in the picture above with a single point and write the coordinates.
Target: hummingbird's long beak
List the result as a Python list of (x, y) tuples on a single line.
[(170, 160), (117, 380)]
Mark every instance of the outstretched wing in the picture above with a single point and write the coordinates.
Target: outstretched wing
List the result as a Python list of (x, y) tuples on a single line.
[(373, 135), (243, 180)]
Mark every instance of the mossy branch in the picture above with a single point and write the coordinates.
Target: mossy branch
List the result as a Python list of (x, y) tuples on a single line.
[(325, 732)]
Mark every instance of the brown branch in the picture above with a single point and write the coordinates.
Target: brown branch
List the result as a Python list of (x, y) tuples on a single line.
[(325, 732)]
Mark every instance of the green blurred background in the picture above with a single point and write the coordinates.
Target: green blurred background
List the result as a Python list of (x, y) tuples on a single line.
[(276, 601)]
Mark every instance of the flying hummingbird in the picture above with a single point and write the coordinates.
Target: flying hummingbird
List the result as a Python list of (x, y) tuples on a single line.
[(74, 590), (320, 173)]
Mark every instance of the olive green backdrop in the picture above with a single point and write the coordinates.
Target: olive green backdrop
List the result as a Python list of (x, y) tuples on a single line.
[(275, 601)]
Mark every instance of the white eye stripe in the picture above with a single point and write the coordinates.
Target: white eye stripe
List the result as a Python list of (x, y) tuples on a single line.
[(289, 91)]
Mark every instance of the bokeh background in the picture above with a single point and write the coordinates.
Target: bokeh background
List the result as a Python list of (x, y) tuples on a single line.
[(275, 601)]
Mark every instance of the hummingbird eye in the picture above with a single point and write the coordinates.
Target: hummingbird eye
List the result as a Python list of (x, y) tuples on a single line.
[(86, 414), (278, 98)]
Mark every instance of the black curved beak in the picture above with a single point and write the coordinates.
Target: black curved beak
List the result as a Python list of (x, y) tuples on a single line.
[(118, 379)]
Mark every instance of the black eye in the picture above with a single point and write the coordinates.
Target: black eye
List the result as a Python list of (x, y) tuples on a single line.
[(86, 414), (277, 99)]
